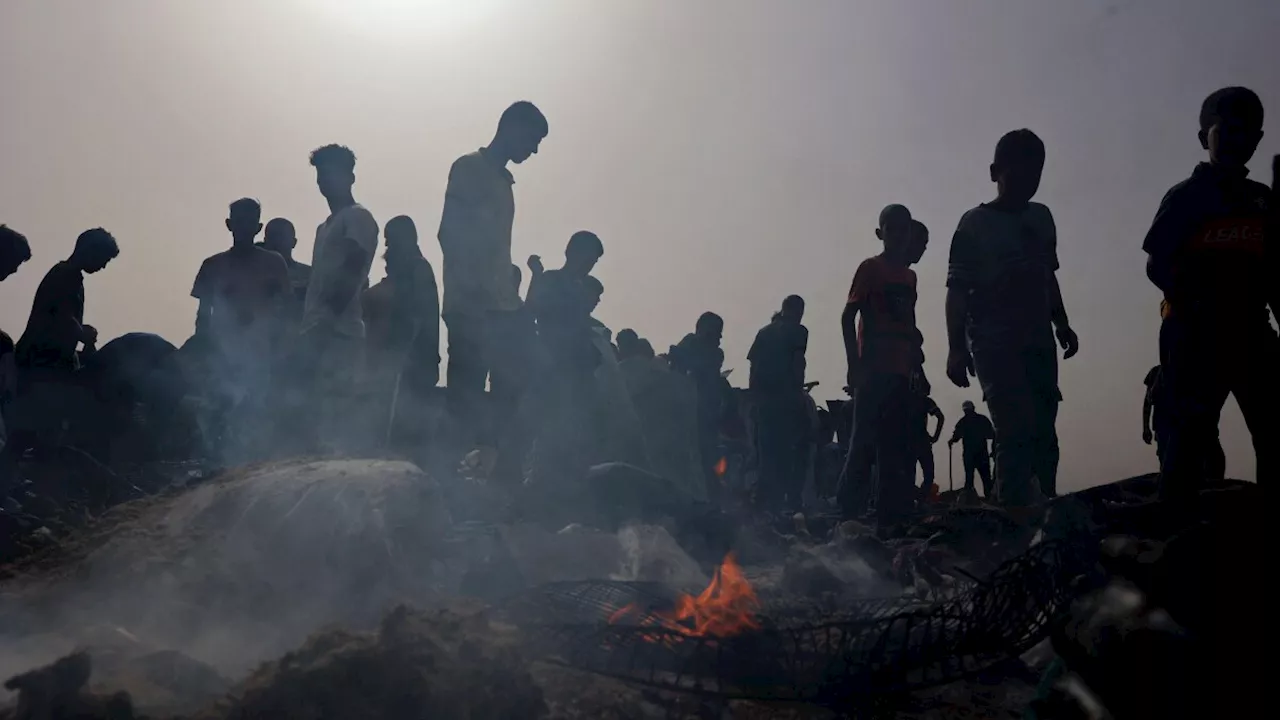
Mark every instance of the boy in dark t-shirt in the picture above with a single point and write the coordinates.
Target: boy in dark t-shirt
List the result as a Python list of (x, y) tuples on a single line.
[(1003, 307), (883, 349), (1207, 251)]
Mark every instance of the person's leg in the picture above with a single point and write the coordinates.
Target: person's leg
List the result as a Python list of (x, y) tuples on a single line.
[(1195, 390), (895, 454), (466, 374), (1006, 387), (1257, 392), (983, 466), (854, 489), (925, 456), (1042, 373)]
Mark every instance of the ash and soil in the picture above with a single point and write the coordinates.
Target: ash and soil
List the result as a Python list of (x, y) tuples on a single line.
[(297, 578)]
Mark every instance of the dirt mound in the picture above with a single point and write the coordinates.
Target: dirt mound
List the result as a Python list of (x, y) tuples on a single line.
[(242, 567), (418, 665)]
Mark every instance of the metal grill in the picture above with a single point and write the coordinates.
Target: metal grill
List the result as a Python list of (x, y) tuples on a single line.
[(875, 647)]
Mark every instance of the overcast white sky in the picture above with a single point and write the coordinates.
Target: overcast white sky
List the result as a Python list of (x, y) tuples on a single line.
[(729, 152)]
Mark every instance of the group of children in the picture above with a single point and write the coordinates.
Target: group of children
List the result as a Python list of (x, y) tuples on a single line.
[(1005, 318), (1208, 255)]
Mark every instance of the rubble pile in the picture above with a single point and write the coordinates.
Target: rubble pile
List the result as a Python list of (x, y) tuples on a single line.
[(242, 567)]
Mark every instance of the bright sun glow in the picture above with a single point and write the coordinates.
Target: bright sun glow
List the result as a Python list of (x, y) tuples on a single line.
[(406, 16)]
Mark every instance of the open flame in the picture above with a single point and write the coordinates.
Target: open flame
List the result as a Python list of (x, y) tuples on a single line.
[(722, 467), (726, 607)]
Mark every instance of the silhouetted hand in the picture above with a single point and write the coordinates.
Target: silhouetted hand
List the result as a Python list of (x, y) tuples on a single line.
[(534, 263), (960, 367), (1068, 340), (1146, 436), (1275, 173), (88, 334)]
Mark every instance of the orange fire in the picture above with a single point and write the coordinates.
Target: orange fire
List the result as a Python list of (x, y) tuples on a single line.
[(727, 607), (722, 467)]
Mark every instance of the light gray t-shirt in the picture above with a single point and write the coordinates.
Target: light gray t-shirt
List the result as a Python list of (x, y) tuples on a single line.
[(327, 258)]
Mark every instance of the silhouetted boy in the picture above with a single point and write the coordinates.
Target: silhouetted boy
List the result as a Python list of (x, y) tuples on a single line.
[(561, 302), (883, 350), (480, 304), (281, 238), (1207, 252), (700, 356), (14, 250), (56, 326), (922, 408), (777, 358), (332, 332), (973, 431), (1003, 306)]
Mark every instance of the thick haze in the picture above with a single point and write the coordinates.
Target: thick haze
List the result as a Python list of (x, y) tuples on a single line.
[(729, 153)]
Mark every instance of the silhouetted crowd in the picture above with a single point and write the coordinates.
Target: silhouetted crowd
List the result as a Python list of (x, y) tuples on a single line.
[(311, 359)]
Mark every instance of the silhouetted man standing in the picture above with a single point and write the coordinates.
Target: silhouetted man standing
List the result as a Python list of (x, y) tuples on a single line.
[(332, 332), (973, 431), (14, 250), (700, 356), (777, 358), (56, 327), (281, 238), (480, 301)]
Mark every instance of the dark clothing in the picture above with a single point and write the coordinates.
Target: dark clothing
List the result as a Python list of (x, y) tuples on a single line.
[(702, 361), (1023, 399), (782, 420), (1199, 368), (882, 437), (1209, 233), (885, 295), (1004, 261), (777, 357), (1208, 244), (782, 445), (561, 305), (57, 313), (1215, 458), (973, 431), (491, 347)]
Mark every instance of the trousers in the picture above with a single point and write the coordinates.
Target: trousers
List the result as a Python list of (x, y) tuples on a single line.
[(1020, 386)]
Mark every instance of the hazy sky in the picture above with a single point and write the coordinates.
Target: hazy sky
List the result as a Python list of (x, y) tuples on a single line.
[(729, 152)]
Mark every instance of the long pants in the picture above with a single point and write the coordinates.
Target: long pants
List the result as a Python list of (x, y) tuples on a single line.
[(1215, 461), (327, 368), (565, 402), (981, 463), (1201, 364), (882, 436), (782, 444), (924, 456), (1020, 386), (496, 347)]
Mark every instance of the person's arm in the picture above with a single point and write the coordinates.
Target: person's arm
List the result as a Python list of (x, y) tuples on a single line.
[(356, 248), (955, 434), (861, 286), (1146, 416), (799, 364), (1164, 239), (200, 290), (962, 268), (1057, 308), (1272, 233), (936, 412)]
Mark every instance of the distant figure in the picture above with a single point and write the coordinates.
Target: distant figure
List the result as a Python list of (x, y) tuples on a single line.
[(1003, 308), (281, 238), (332, 331), (14, 250), (973, 431), (402, 311), (922, 408), (699, 356), (1206, 251), (561, 301), (628, 342), (480, 303), (777, 358), (56, 327), (242, 292), (883, 350)]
